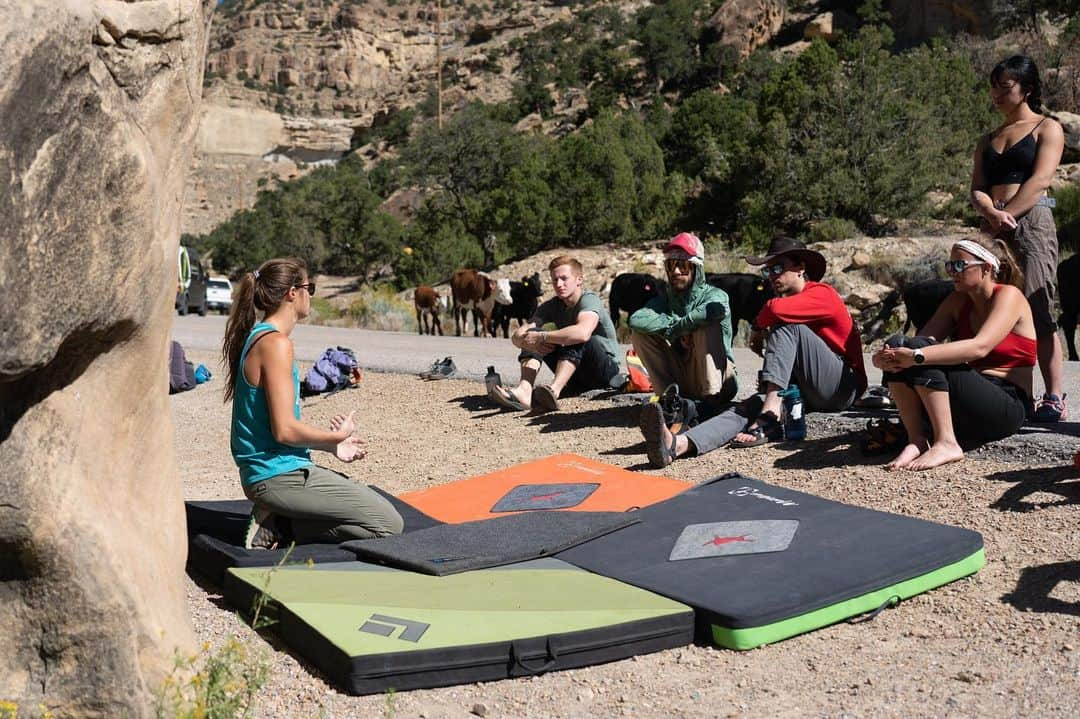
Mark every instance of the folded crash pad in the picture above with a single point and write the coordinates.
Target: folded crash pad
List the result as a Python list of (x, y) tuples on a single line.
[(761, 563), (560, 482), (216, 538), (453, 548), (372, 629)]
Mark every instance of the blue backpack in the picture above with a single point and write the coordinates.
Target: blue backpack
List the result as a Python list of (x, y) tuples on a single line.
[(330, 373)]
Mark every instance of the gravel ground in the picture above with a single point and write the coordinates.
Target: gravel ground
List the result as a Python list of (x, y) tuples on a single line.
[(1005, 642)]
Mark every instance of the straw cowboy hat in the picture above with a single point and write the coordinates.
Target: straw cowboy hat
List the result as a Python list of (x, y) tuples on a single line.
[(787, 247)]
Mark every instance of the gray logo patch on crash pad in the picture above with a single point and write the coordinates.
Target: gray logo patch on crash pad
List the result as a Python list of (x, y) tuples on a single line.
[(544, 496), (722, 539)]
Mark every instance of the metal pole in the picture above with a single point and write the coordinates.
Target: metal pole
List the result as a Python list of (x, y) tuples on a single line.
[(438, 63)]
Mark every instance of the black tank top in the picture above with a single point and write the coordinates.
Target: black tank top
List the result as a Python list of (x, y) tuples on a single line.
[(1014, 166)]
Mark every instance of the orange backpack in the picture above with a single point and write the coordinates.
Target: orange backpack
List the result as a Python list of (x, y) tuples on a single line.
[(639, 376)]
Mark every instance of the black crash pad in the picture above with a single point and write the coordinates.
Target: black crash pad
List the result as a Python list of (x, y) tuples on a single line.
[(452, 548)]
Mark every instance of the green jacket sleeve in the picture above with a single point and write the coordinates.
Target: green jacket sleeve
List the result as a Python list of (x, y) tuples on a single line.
[(653, 318)]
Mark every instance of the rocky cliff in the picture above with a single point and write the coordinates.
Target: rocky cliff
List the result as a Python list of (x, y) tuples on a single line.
[(290, 83)]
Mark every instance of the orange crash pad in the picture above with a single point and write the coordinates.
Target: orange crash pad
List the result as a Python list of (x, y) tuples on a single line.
[(561, 482)]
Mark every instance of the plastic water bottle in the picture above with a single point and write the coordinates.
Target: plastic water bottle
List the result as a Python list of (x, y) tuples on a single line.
[(492, 378), (794, 421)]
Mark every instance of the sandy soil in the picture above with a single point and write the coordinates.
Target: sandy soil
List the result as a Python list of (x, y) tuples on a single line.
[(1005, 642)]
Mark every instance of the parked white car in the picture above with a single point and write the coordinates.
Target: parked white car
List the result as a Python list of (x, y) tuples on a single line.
[(219, 294)]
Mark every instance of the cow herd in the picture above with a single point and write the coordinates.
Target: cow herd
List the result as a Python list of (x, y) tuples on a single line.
[(494, 302)]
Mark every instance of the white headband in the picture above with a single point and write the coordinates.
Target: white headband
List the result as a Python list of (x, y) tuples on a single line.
[(981, 252)]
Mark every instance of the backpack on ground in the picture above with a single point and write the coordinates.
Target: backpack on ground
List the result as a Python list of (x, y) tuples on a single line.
[(332, 371), (638, 376), (181, 372)]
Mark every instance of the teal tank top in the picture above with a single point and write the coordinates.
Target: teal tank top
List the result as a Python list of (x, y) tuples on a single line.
[(256, 453)]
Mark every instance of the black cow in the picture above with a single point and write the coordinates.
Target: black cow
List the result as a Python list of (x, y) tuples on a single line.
[(524, 298), (922, 300), (631, 291), (1068, 284), (747, 294)]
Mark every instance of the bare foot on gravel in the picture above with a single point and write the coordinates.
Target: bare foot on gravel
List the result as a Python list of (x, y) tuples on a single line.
[(908, 454), (941, 453)]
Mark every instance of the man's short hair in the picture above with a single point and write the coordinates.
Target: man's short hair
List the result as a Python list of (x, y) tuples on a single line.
[(566, 260)]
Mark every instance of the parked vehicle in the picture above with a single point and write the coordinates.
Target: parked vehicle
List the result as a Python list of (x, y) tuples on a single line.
[(219, 294), (190, 283)]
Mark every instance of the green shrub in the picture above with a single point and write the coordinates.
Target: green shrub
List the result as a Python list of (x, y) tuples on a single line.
[(1067, 216), (215, 684), (831, 230), (381, 309)]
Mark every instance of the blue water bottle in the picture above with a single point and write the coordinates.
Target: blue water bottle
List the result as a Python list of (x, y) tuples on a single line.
[(794, 421)]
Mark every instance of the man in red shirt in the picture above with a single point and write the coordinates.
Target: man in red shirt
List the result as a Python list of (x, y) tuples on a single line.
[(806, 337)]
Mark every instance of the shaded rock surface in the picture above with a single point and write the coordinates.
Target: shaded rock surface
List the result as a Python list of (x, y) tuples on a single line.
[(98, 103)]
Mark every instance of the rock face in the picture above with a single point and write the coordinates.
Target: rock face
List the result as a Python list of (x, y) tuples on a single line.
[(1070, 123), (748, 24), (325, 70), (919, 20), (98, 101)]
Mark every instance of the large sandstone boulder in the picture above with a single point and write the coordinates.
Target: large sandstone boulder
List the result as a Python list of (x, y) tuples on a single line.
[(748, 24), (1070, 123), (98, 100)]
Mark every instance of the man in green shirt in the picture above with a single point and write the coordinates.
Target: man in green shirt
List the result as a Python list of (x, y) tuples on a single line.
[(683, 336), (572, 334)]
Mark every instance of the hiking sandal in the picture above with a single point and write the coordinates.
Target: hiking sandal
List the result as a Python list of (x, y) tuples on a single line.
[(505, 398), (652, 427), (544, 399), (768, 429)]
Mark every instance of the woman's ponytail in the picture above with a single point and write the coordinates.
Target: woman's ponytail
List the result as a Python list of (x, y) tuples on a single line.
[(1010, 272), (241, 320)]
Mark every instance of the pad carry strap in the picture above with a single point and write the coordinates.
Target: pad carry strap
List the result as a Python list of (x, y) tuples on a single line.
[(892, 601), (517, 660)]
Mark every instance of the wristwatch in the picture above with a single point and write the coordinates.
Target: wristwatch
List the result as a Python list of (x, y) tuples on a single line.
[(919, 356)]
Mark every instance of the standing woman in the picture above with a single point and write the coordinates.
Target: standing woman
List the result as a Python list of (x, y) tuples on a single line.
[(1013, 168), (977, 387), (270, 444)]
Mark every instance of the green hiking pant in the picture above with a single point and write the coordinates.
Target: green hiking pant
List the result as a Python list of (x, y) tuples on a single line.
[(326, 506)]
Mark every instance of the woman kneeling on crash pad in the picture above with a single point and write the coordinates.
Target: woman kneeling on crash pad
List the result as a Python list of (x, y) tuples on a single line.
[(294, 499), (977, 387)]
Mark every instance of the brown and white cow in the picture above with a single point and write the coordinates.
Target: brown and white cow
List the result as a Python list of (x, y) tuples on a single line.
[(477, 291), (429, 304)]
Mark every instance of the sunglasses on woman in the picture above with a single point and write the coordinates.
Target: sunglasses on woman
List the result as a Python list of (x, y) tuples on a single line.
[(955, 267), (309, 286), (682, 266)]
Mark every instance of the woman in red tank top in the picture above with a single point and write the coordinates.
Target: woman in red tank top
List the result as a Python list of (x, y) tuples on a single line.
[(977, 387)]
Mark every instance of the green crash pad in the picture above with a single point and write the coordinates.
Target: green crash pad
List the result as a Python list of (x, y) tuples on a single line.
[(371, 628)]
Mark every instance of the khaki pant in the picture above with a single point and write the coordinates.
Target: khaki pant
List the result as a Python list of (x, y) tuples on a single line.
[(702, 372), (1035, 244), (326, 506)]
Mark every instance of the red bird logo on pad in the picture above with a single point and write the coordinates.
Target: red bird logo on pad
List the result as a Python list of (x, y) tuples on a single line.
[(721, 541), (542, 497)]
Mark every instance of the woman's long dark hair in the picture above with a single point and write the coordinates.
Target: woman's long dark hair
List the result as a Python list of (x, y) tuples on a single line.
[(262, 290), (1026, 73)]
